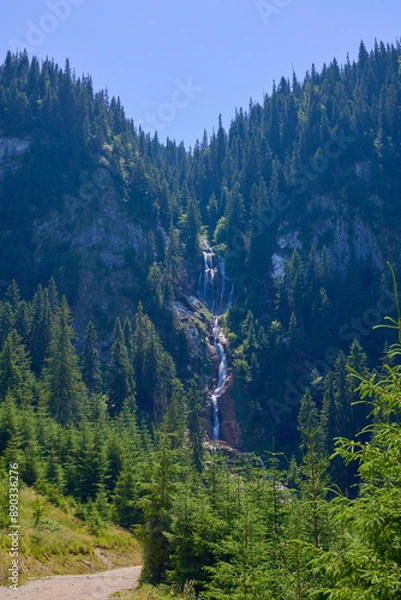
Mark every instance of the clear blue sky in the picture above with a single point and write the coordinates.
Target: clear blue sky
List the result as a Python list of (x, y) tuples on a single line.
[(186, 61)]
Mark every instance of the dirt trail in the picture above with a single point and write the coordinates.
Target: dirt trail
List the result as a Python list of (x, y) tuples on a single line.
[(98, 586)]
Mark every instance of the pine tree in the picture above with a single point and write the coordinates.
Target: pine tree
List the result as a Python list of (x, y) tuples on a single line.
[(195, 403), (65, 390), (192, 229), (175, 417), (129, 338), (195, 533), (328, 414), (343, 397), (10, 432), (213, 214), (16, 377), (366, 561), (7, 321), (90, 461), (313, 469), (121, 374), (295, 283), (154, 284), (262, 232), (53, 296), (32, 466), (13, 296), (156, 505), (91, 370), (125, 498), (39, 331), (235, 223), (357, 361)]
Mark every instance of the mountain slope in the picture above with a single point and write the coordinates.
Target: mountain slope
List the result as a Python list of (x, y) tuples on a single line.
[(301, 197)]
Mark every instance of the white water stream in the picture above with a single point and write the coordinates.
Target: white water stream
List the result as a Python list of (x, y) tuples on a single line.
[(215, 289)]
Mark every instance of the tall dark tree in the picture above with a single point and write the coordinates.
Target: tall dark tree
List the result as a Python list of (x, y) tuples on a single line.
[(16, 378), (91, 371), (195, 402), (39, 331), (65, 390), (121, 374)]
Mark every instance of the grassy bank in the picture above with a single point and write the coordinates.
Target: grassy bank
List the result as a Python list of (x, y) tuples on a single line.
[(53, 541)]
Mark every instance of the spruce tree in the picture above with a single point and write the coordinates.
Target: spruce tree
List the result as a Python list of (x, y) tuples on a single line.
[(365, 562), (16, 377), (39, 331), (195, 403), (121, 374), (175, 417), (156, 505), (91, 371), (314, 467), (125, 498), (64, 388)]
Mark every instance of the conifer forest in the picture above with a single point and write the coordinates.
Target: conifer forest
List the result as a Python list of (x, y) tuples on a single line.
[(202, 345)]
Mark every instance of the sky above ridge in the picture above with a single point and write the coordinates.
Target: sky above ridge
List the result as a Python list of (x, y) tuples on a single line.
[(177, 64)]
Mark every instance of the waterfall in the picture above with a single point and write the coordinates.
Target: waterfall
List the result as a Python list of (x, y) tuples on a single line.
[(217, 292), (214, 287), (207, 279), (222, 376)]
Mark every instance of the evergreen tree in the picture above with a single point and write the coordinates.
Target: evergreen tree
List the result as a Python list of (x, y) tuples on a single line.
[(156, 505), (365, 562), (65, 390), (235, 224), (7, 320), (357, 361), (91, 373), (125, 498), (195, 403), (314, 468), (175, 417), (39, 332), (261, 233), (16, 377), (129, 338), (195, 532), (190, 227), (121, 374)]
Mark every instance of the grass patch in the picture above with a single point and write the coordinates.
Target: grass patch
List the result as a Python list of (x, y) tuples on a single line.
[(149, 592), (53, 541)]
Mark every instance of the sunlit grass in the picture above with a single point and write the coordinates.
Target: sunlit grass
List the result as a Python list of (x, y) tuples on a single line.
[(55, 542), (148, 592)]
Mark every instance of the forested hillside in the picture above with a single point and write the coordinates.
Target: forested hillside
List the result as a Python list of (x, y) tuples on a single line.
[(110, 364), (299, 196)]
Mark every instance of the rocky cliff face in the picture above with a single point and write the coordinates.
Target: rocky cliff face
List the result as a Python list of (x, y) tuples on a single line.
[(10, 150), (334, 224), (97, 232), (12, 147)]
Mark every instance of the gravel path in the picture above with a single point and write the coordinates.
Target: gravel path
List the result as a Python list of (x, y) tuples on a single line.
[(98, 586)]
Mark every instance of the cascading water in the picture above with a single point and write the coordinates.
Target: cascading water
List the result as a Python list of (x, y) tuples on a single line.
[(221, 379), (217, 292), (214, 287)]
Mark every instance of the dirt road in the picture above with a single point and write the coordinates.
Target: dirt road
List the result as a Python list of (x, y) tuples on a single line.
[(98, 586)]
